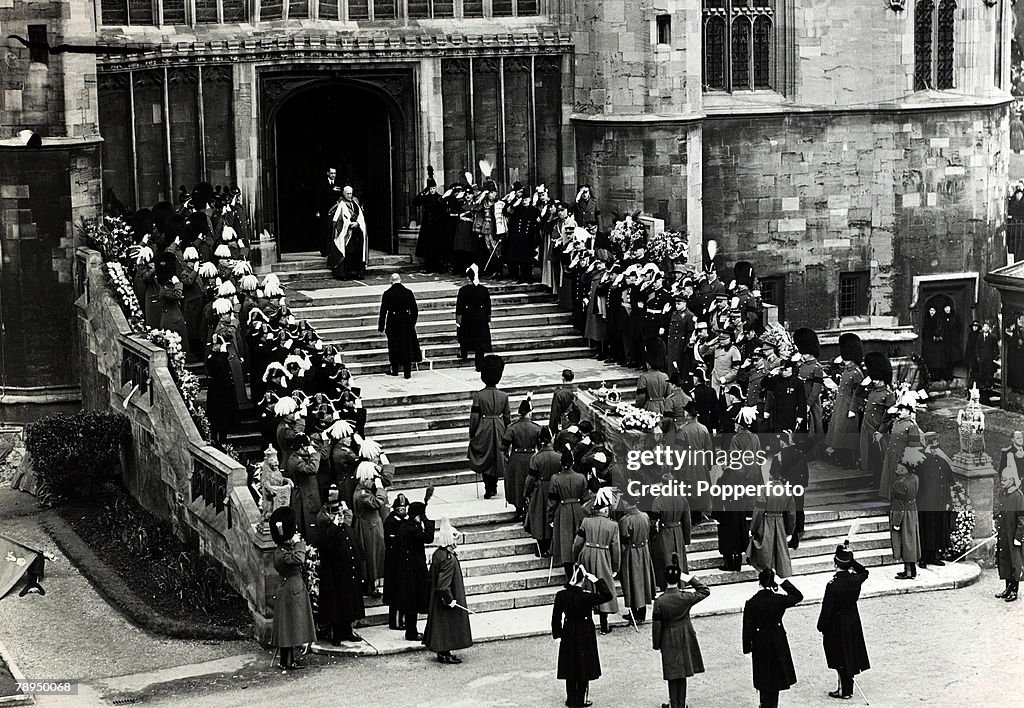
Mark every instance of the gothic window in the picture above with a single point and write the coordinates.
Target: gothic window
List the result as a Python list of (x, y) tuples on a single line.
[(738, 44), (506, 110), (934, 44), (944, 45)]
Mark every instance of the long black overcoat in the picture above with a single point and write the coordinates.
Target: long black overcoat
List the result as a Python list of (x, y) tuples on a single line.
[(572, 621), (764, 638)]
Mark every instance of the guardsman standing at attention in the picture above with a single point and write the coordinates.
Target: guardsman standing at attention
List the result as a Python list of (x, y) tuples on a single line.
[(488, 419), (520, 441)]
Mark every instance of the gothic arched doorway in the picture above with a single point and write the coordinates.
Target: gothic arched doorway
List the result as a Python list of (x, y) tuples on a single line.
[(335, 124)]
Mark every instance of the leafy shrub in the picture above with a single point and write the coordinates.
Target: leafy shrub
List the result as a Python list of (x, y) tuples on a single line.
[(74, 454)]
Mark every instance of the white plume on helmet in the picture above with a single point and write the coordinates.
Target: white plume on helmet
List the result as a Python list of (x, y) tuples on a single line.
[(222, 251), (208, 270), (222, 306), (286, 406)]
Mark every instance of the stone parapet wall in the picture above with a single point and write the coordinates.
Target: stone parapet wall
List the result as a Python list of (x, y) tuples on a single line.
[(898, 194), (170, 470)]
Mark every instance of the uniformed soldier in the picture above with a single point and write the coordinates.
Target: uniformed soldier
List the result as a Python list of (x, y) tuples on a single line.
[(764, 637), (520, 442), (543, 466), (596, 547), (785, 399), (636, 573), (673, 633), (839, 622), (1010, 528), (562, 400), (473, 318), (489, 417), (566, 495), (813, 376), (875, 399)]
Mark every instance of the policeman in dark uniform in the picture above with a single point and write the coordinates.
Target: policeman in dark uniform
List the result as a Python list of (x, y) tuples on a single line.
[(839, 622)]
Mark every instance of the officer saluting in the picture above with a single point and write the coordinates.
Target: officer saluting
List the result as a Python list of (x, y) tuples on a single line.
[(764, 637), (839, 622)]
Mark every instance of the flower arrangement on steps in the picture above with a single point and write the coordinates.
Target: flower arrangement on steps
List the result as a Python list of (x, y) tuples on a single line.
[(961, 537), (113, 239), (634, 418)]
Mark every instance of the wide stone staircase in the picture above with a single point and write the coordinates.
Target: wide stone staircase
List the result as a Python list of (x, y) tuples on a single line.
[(422, 425)]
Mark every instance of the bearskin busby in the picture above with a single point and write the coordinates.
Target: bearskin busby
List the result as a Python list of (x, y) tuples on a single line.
[(877, 367), (655, 352), (851, 348), (166, 267), (282, 525), (743, 273), (806, 341), (491, 370)]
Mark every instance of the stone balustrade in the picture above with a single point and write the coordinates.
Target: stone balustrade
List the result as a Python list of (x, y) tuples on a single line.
[(170, 469)]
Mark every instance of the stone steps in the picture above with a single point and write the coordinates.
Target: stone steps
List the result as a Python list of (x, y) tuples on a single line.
[(451, 362), (429, 296), (368, 338), (333, 320), (444, 350), (395, 406)]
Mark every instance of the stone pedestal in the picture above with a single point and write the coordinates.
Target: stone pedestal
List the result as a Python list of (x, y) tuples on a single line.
[(976, 473), (263, 255)]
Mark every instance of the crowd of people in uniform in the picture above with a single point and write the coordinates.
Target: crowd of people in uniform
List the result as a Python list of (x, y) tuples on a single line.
[(716, 371)]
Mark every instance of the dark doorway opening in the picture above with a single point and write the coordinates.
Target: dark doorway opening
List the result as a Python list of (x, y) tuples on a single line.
[(341, 125)]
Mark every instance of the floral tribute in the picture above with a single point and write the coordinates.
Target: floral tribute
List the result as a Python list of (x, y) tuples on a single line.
[(126, 296), (668, 246), (962, 534), (111, 236), (634, 418), (629, 236)]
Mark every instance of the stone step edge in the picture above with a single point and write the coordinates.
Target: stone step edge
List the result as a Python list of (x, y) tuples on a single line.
[(365, 648)]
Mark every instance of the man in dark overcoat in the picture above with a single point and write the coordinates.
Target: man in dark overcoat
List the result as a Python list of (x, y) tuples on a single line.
[(520, 441), (1010, 530), (839, 622), (473, 318), (433, 215), (935, 519), (413, 592), (790, 464), (673, 633), (572, 622), (328, 192), (764, 637), (392, 576), (523, 237), (489, 417), (398, 313), (341, 580)]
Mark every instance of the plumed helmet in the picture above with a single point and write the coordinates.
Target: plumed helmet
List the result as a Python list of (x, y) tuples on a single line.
[(605, 498), (340, 430), (843, 557), (656, 352), (743, 273), (226, 289), (491, 370), (222, 251), (190, 254), (286, 406), (806, 341), (878, 367), (282, 525), (851, 348), (366, 471), (526, 405), (400, 500), (208, 270)]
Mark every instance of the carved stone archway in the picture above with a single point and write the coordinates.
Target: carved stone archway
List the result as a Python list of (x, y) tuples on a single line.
[(391, 136)]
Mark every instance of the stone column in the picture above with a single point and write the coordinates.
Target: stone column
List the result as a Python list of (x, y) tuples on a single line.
[(976, 473)]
